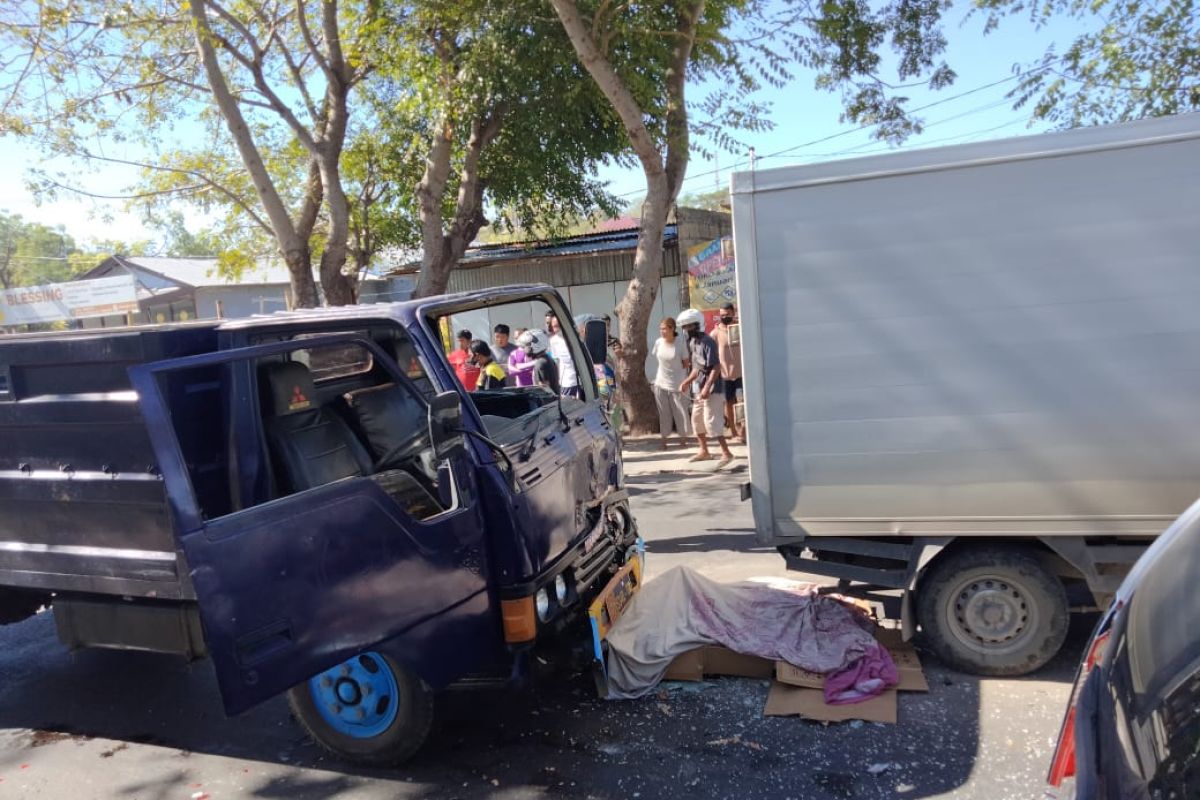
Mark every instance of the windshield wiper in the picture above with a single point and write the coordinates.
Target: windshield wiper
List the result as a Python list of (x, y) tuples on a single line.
[(528, 445)]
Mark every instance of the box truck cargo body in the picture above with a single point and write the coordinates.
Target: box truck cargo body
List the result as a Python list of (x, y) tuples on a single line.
[(984, 372)]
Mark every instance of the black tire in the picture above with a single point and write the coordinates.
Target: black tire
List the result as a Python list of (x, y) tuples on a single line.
[(395, 745), (992, 611)]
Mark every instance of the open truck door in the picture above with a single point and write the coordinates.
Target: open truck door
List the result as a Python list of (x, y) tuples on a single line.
[(313, 537)]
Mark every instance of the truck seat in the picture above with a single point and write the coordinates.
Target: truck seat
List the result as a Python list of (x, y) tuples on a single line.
[(393, 422), (310, 444)]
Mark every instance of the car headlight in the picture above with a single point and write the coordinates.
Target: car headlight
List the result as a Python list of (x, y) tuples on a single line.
[(560, 588), (541, 602)]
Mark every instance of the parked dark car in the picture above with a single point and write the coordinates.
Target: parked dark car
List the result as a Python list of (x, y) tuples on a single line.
[(1132, 729)]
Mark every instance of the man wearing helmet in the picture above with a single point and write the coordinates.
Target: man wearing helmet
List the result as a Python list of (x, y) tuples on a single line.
[(535, 342), (708, 395)]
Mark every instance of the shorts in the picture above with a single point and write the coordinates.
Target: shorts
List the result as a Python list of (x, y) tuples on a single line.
[(708, 416), (731, 389)]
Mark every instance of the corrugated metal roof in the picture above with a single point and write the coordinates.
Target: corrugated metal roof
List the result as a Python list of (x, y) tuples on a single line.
[(203, 271), (603, 242)]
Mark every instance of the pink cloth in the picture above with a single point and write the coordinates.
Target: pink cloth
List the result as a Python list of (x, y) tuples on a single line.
[(872, 673), (781, 621)]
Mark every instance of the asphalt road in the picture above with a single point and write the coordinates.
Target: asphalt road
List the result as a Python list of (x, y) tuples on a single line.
[(126, 725)]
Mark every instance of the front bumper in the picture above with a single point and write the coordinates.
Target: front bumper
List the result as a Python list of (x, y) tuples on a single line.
[(559, 598)]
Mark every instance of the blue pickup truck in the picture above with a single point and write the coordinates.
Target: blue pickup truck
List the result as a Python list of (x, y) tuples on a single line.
[(315, 502)]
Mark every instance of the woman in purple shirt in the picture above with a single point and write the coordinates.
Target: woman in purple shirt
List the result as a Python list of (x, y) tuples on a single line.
[(520, 366)]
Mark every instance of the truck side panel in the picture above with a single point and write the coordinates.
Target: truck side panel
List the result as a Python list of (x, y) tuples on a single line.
[(82, 507), (997, 339)]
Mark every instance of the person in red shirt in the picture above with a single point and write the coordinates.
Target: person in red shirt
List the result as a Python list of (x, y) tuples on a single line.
[(464, 365)]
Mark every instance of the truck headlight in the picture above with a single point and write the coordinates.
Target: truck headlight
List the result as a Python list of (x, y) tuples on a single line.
[(541, 602), (560, 589)]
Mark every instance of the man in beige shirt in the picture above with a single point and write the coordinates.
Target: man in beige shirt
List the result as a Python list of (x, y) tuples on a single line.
[(729, 350)]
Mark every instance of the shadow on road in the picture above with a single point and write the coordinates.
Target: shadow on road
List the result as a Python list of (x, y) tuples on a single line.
[(708, 739), (735, 541)]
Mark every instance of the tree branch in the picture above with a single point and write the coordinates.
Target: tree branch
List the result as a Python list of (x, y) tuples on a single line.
[(333, 41), (238, 26), (610, 83), (312, 44), (678, 141), (233, 197)]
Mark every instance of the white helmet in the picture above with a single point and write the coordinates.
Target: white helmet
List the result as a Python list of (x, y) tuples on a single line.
[(534, 341), (689, 316)]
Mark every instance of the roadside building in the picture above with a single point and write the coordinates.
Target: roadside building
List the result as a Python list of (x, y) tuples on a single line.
[(591, 270), (179, 289)]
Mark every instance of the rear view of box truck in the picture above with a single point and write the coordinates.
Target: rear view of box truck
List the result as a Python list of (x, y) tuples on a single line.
[(984, 364)]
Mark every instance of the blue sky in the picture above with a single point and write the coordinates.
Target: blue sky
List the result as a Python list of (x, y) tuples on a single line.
[(802, 117)]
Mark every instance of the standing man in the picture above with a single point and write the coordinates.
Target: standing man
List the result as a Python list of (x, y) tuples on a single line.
[(545, 372), (502, 349), (729, 350), (560, 351), (463, 362), (707, 390)]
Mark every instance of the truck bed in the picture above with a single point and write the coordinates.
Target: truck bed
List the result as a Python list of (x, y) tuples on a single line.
[(82, 507)]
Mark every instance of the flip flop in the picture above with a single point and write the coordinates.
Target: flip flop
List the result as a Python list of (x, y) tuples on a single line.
[(724, 460), (699, 457)]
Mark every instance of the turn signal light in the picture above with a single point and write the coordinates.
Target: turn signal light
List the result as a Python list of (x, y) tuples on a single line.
[(520, 620), (1063, 764)]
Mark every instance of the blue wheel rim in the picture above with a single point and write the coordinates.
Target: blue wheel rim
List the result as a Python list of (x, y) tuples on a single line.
[(358, 698)]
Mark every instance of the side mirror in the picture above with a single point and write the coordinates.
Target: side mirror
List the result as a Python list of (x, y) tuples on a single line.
[(595, 338), (445, 424)]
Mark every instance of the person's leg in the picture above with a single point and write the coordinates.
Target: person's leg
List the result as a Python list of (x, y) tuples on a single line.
[(731, 390), (681, 412), (714, 422), (662, 401), (699, 409)]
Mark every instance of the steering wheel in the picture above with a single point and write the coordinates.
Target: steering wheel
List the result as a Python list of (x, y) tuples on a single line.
[(402, 452)]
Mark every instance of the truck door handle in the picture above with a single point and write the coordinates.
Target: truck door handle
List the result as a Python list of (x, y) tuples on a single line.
[(252, 648)]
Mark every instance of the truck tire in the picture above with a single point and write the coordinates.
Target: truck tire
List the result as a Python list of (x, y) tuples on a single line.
[(992, 611), (369, 710)]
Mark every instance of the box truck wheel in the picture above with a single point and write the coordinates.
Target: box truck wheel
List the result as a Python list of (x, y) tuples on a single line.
[(368, 710), (992, 611)]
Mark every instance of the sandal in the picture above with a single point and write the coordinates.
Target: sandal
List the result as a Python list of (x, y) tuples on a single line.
[(700, 457)]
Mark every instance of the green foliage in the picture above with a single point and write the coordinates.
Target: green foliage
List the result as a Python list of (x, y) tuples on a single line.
[(32, 253), (94, 73), (445, 68), (1133, 60)]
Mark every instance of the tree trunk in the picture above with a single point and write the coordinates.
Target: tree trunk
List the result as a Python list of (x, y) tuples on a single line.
[(293, 248), (662, 184), (435, 258), (636, 306), (304, 288), (338, 287)]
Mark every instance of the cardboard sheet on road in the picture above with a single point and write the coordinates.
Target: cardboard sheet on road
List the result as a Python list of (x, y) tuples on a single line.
[(799, 701), (796, 692), (716, 660), (908, 664)]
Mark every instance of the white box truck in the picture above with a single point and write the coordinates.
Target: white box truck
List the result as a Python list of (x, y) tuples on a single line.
[(972, 373)]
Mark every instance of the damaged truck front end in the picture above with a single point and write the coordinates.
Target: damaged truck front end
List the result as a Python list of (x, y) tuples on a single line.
[(341, 515)]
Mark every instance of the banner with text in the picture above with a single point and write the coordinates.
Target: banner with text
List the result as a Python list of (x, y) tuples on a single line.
[(55, 302), (711, 281)]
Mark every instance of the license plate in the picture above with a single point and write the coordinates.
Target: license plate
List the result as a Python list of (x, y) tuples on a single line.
[(608, 606)]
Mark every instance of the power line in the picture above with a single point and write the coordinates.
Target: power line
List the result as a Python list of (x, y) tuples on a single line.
[(867, 126)]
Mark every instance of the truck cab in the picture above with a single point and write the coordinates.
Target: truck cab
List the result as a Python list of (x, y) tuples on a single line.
[(347, 523)]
